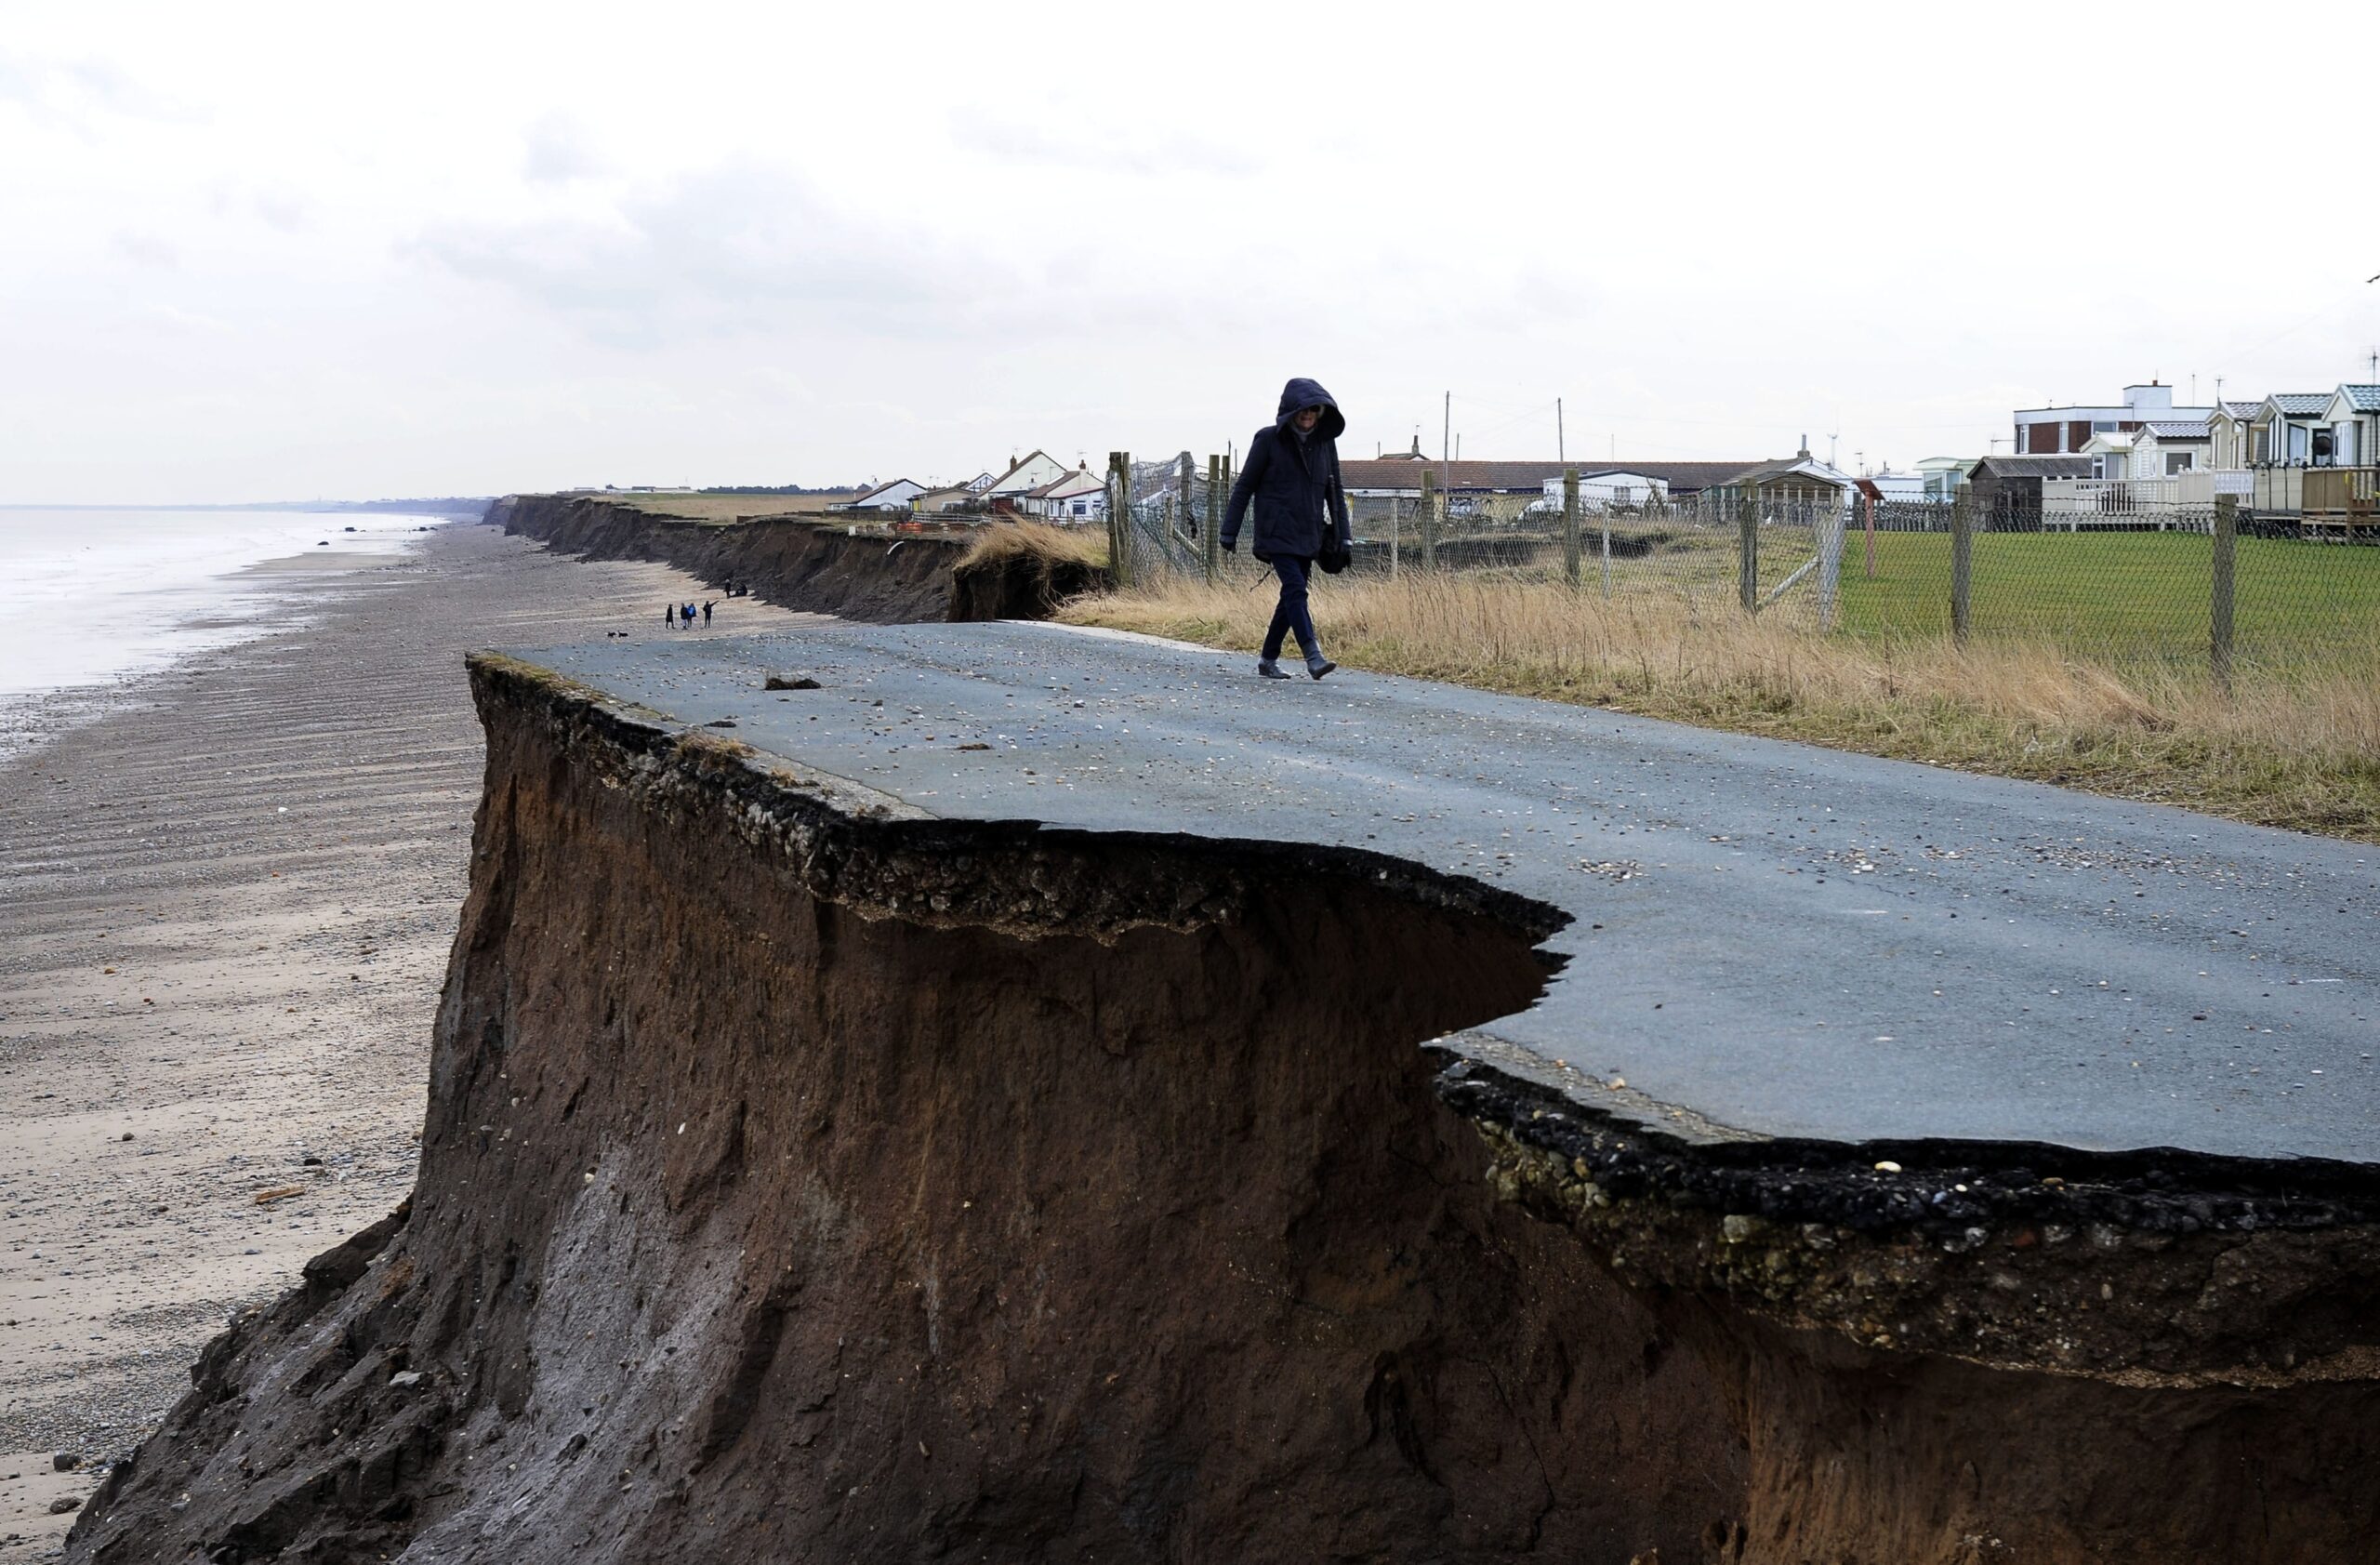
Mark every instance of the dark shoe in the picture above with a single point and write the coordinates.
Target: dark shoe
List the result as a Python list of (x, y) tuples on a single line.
[(1319, 665), (1267, 668)]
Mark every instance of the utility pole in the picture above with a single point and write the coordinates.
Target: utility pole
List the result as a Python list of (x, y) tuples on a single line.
[(1561, 450), (1446, 431)]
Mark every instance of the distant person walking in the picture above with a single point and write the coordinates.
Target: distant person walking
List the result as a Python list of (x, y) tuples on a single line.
[(1292, 477), (669, 616), (706, 603)]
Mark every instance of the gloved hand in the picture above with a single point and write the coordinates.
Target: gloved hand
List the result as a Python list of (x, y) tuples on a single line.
[(1231, 546)]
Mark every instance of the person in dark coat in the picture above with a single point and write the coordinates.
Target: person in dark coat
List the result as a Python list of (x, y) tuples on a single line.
[(1291, 478)]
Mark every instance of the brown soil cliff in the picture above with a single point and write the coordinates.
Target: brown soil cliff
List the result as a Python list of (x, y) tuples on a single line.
[(806, 1179), (803, 1184), (807, 563)]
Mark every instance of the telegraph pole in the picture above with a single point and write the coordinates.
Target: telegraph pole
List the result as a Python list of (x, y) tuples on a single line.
[(1561, 450)]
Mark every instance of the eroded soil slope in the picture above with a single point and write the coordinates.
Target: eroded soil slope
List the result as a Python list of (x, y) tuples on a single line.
[(804, 1183), (807, 1178), (792, 563)]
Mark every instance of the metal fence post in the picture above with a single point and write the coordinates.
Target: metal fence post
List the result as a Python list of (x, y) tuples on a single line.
[(1748, 548), (1429, 520), (1961, 565), (1606, 551), (2227, 545), (1570, 525), (1211, 544)]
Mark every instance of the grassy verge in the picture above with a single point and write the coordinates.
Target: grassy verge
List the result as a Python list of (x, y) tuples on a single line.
[(2298, 748), (1083, 546)]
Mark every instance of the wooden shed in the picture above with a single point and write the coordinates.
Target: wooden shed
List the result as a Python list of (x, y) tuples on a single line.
[(2007, 488)]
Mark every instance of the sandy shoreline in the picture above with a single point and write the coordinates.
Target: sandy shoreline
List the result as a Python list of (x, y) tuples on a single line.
[(225, 909)]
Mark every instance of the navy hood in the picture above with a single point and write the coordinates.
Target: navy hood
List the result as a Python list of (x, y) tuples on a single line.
[(1301, 393)]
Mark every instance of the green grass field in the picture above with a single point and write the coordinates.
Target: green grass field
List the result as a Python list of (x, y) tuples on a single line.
[(2120, 595)]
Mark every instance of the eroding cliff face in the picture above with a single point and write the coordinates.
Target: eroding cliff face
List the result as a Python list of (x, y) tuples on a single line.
[(805, 1178), (805, 1182), (794, 564)]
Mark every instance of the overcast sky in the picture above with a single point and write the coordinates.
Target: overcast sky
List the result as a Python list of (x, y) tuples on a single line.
[(261, 252)]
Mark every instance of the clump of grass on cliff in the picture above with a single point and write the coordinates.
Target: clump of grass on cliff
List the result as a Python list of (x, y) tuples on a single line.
[(2300, 750), (999, 541)]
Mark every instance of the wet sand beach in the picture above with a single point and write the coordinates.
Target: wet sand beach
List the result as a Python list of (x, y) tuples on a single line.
[(225, 910)]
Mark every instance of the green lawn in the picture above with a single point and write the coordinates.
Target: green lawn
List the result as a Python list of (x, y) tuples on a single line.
[(2119, 594)]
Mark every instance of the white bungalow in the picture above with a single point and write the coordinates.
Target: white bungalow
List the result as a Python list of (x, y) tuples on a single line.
[(2231, 431), (1026, 475), (2110, 453), (2286, 426), (895, 496), (2354, 418), (1606, 489), (1943, 476), (1080, 496), (2165, 447)]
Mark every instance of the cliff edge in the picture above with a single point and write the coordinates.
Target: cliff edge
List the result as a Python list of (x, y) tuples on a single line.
[(810, 1173), (806, 562)]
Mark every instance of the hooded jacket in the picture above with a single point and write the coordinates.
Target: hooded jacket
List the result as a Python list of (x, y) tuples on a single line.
[(1293, 484)]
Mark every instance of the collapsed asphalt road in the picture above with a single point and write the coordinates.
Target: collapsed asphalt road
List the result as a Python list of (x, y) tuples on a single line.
[(1769, 939), (1014, 1094)]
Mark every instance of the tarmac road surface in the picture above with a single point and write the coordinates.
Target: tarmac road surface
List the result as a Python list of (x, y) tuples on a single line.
[(1768, 940)]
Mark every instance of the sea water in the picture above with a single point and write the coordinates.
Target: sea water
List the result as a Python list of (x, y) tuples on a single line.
[(91, 601)]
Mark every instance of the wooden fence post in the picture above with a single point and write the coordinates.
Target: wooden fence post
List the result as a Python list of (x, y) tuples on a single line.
[(1570, 525), (2227, 545), (1962, 567), (1211, 544), (1186, 513), (1119, 517), (1748, 548), (1115, 537), (1131, 550), (1429, 520)]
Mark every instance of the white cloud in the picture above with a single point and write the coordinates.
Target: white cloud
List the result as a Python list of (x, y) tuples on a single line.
[(558, 149), (813, 243), (145, 249)]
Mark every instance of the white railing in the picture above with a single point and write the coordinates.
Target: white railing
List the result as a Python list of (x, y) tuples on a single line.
[(2110, 500), (2104, 496)]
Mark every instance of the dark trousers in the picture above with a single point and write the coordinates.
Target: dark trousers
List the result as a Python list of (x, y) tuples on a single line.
[(1291, 614)]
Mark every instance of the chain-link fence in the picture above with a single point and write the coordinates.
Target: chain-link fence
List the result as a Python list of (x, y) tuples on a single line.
[(2211, 586)]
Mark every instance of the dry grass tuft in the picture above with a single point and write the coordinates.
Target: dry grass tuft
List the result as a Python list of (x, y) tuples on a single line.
[(1006, 540), (2299, 750)]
